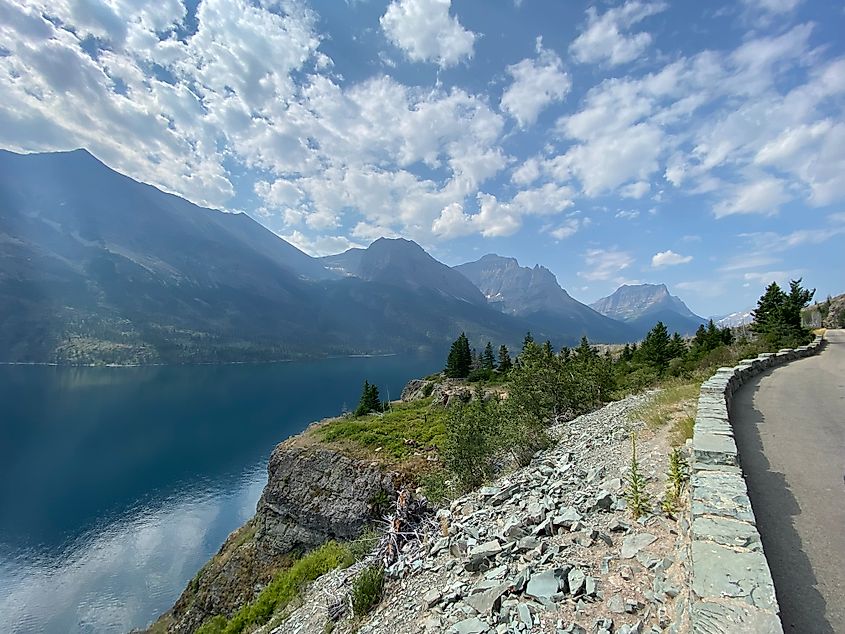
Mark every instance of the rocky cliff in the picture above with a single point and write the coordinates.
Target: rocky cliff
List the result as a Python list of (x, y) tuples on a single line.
[(313, 494)]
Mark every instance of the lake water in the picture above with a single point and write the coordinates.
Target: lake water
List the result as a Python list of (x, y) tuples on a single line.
[(118, 484)]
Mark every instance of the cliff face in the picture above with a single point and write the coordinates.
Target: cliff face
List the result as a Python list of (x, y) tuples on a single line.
[(313, 494)]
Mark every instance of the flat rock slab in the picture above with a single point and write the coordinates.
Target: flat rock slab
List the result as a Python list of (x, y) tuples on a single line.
[(730, 618), (721, 493), (712, 447), (632, 544), (720, 572), (726, 532), (469, 626)]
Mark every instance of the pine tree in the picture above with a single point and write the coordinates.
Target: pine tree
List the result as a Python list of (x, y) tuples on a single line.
[(547, 349), (655, 347), (505, 363), (369, 401), (626, 353), (529, 339), (777, 317), (488, 359), (677, 346), (459, 361)]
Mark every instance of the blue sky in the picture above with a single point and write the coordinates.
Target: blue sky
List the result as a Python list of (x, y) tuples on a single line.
[(697, 144)]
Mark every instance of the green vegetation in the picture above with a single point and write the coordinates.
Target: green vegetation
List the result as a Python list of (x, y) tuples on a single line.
[(367, 590), (505, 363), (471, 441), (635, 492), (400, 432), (459, 361), (369, 401), (777, 318), (676, 479), (284, 588)]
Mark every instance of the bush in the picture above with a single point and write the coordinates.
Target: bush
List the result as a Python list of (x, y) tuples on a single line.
[(367, 590), (285, 587), (471, 441)]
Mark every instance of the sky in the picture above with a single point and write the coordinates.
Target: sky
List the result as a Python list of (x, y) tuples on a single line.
[(697, 144)]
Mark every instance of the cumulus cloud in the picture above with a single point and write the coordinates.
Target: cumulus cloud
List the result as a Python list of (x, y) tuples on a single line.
[(761, 196), (604, 264), (605, 38), (663, 259), (426, 32), (536, 83)]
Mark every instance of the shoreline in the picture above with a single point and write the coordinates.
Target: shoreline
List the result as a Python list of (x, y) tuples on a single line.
[(198, 363)]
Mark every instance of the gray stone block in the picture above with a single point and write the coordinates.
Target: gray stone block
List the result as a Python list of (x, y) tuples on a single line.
[(728, 618), (726, 532), (720, 572), (714, 448)]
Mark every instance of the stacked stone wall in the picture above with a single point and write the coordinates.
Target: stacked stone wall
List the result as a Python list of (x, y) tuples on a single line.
[(732, 588)]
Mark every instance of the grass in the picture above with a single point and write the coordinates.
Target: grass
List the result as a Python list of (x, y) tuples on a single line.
[(398, 434), (284, 588), (674, 404), (367, 590)]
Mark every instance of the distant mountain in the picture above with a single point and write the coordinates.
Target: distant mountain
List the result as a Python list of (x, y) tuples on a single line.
[(96, 267), (404, 263), (535, 295), (733, 320), (643, 305)]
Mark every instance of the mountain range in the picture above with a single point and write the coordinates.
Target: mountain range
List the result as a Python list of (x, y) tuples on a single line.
[(640, 306), (96, 268)]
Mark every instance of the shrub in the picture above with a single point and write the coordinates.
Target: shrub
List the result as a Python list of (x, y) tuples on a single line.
[(635, 494), (367, 590), (285, 587), (471, 441)]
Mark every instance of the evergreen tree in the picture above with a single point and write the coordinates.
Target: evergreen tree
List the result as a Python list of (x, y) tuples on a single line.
[(677, 346), (654, 350), (505, 363), (547, 348), (488, 359), (777, 318), (459, 361), (529, 339), (626, 354), (369, 401)]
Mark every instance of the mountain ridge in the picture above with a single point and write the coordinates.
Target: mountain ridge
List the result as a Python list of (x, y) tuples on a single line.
[(642, 305), (535, 294)]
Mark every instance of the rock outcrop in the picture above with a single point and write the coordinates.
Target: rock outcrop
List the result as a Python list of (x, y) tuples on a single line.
[(313, 494)]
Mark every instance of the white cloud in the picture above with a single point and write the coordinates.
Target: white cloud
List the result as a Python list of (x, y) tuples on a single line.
[(536, 83), (320, 245), (628, 214), (635, 190), (773, 6), (761, 196), (569, 228), (426, 32), (605, 38), (663, 259), (604, 264)]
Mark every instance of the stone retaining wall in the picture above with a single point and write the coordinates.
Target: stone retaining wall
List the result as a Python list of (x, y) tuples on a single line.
[(732, 588)]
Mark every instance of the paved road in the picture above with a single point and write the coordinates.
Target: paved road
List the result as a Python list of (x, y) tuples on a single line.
[(790, 430)]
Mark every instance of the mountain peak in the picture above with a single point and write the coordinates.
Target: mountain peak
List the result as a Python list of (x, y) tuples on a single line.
[(647, 304), (402, 262)]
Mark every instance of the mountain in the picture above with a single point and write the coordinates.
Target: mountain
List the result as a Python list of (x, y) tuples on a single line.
[(535, 295), (733, 320), (643, 305), (400, 262), (96, 267)]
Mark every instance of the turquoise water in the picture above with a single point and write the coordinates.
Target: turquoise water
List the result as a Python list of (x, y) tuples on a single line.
[(117, 484)]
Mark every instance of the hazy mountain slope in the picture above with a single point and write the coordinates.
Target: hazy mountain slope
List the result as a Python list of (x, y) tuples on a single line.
[(535, 295), (96, 267), (403, 263), (643, 305)]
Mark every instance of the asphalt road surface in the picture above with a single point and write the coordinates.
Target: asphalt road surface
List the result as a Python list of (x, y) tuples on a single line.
[(789, 424)]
